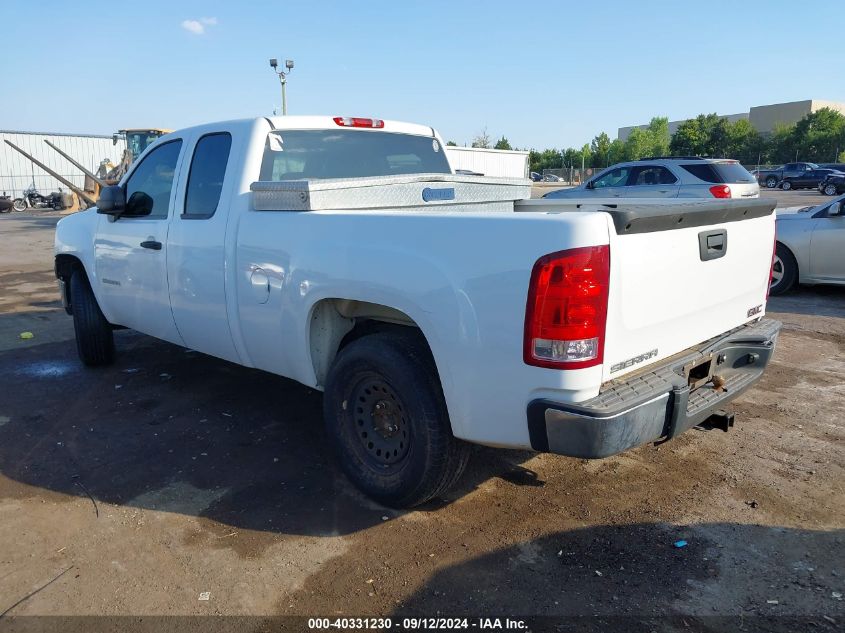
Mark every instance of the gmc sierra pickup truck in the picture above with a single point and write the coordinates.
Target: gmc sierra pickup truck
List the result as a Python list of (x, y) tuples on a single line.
[(433, 309)]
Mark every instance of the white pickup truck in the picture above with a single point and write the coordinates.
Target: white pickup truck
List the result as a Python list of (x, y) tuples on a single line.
[(432, 309)]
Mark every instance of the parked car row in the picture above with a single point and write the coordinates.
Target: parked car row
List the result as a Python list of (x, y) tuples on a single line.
[(798, 175), (668, 177)]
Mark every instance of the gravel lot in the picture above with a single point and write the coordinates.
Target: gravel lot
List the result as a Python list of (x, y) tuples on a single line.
[(172, 473)]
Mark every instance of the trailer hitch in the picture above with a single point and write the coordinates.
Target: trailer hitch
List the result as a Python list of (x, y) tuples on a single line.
[(719, 420)]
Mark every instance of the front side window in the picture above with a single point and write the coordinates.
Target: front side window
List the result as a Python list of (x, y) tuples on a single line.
[(205, 179), (148, 188), (614, 178)]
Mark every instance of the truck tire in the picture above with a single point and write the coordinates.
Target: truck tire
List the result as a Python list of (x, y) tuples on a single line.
[(786, 185), (771, 182), (94, 336), (387, 420), (784, 271), (829, 190)]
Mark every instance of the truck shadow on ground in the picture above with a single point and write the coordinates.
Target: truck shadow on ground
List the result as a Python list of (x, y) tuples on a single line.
[(650, 577), (173, 430)]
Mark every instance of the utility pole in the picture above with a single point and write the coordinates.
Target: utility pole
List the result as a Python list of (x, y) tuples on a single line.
[(274, 64)]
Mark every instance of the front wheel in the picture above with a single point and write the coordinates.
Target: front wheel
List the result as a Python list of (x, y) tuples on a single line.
[(386, 417), (771, 182), (786, 186), (829, 190), (94, 336), (784, 271), (19, 204)]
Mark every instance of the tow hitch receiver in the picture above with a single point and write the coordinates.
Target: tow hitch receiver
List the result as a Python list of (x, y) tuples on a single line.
[(719, 420)]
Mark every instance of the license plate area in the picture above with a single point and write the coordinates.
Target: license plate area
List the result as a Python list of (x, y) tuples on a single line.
[(699, 372)]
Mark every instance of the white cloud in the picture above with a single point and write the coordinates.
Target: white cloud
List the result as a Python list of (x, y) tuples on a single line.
[(197, 27)]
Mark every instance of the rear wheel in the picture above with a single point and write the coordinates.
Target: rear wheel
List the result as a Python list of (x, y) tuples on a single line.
[(771, 182), (387, 420), (784, 271), (829, 190), (786, 185), (94, 336)]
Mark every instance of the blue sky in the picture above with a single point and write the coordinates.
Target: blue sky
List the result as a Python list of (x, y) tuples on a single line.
[(548, 74)]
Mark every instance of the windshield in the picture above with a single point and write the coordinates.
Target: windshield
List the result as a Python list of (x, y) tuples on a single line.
[(314, 154)]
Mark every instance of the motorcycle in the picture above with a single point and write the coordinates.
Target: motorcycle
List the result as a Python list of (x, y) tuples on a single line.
[(34, 200), (5, 203)]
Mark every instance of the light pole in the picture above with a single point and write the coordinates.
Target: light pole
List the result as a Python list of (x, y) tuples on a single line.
[(274, 64)]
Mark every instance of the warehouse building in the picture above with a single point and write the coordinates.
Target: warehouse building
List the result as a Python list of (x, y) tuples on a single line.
[(17, 172), (764, 118)]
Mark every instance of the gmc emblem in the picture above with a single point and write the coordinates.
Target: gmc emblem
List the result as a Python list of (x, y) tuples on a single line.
[(754, 310)]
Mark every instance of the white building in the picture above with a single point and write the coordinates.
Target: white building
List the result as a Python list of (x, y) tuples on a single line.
[(18, 172), (500, 163)]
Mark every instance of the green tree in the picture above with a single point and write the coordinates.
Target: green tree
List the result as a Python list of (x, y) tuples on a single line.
[(658, 131), (599, 147), (451, 143), (638, 144), (502, 143), (820, 135), (744, 143)]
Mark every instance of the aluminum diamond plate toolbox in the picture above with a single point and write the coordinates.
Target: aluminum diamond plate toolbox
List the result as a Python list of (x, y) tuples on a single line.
[(415, 191)]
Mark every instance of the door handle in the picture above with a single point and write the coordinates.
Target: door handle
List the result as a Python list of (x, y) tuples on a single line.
[(152, 245)]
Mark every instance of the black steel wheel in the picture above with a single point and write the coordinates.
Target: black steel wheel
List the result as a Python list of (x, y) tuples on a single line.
[(382, 425), (387, 420)]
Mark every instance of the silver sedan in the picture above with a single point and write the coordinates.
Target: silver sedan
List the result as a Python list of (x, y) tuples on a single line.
[(810, 246)]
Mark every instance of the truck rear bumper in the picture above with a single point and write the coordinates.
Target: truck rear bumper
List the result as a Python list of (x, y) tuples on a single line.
[(661, 402)]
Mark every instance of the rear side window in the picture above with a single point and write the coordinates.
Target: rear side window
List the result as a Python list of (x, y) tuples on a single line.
[(205, 180), (314, 154), (720, 173), (652, 175)]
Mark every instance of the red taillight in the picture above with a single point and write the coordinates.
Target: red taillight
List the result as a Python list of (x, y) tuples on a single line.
[(772, 267), (720, 191), (354, 121), (567, 309)]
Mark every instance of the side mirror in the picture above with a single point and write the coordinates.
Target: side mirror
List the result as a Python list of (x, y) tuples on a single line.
[(835, 209), (112, 201)]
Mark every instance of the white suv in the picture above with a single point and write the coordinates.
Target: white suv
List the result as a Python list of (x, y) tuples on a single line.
[(668, 177)]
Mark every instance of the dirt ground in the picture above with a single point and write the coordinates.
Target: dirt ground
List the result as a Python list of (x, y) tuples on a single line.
[(172, 473)]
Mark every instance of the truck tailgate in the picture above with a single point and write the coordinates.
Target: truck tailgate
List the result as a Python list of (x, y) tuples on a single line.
[(680, 273), (685, 279)]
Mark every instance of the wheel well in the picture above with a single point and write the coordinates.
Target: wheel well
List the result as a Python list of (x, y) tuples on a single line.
[(65, 266), (335, 323)]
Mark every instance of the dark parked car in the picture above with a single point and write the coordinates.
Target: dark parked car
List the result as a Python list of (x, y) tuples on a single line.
[(833, 184), (808, 179), (771, 178), (535, 176)]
